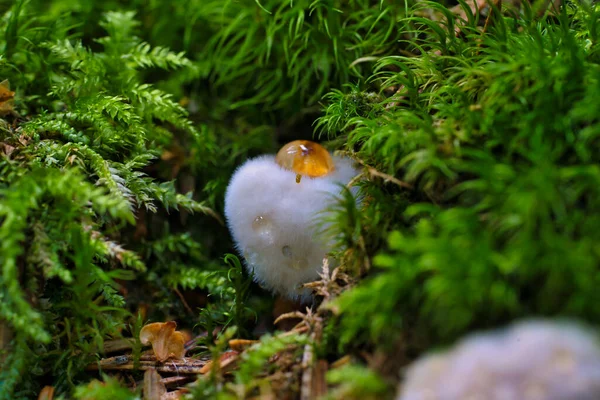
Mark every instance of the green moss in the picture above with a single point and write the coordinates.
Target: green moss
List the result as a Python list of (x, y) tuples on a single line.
[(480, 148)]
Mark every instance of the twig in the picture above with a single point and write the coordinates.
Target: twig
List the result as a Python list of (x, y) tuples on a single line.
[(185, 304), (307, 365), (389, 178), (374, 172), (175, 381), (313, 384)]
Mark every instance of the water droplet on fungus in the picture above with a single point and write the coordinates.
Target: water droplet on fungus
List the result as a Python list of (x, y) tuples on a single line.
[(263, 226), (299, 263), (287, 251), (294, 262), (305, 158)]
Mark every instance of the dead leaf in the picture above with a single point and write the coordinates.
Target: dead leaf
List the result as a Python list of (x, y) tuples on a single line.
[(165, 340), (24, 140), (154, 389), (345, 360), (47, 393), (8, 149), (6, 98), (176, 395), (227, 361), (241, 344)]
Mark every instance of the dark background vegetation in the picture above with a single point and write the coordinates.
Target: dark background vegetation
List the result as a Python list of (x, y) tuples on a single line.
[(478, 131)]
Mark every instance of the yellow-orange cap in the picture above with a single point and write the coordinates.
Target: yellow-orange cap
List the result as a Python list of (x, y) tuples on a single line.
[(305, 158)]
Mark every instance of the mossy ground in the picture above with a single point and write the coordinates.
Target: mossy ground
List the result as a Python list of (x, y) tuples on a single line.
[(476, 124)]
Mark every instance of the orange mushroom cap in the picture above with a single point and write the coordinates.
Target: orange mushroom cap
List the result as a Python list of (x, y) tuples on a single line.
[(305, 158)]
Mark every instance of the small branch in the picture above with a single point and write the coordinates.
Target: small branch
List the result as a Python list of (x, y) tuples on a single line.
[(185, 304), (389, 178), (375, 173), (488, 20)]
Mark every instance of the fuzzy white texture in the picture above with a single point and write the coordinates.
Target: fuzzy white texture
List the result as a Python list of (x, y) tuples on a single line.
[(272, 221), (530, 360)]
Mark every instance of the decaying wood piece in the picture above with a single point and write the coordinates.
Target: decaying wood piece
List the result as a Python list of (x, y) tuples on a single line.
[(154, 388), (125, 363)]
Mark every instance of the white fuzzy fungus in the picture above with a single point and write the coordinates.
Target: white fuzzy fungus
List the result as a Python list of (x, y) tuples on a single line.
[(531, 360), (272, 221)]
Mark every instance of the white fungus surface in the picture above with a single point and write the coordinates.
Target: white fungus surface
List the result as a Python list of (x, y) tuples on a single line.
[(531, 360), (272, 220)]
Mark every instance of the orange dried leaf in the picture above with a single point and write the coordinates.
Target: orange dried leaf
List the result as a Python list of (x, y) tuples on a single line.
[(207, 367), (47, 393), (241, 344), (165, 341), (227, 360), (6, 98)]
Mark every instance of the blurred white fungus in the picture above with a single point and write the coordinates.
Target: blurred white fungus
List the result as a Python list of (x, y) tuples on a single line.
[(530, 360)]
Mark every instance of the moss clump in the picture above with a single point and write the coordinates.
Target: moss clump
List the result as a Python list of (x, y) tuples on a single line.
[(477, 130)]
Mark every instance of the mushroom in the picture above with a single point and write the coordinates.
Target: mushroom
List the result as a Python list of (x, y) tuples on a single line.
[(165, 340), (272, 206)]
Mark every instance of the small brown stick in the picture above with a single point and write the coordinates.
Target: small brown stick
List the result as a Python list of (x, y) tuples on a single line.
[(307, 372), (313, 374), (327, 286), (488, 20), (292, 314), (185, 304), (175, 381), (389, 178), (373, 172)]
